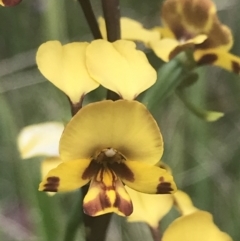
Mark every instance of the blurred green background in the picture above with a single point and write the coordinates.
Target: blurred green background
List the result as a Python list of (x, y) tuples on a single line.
[(204, 156)]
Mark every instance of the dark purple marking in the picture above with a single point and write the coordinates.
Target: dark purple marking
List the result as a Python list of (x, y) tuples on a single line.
[(207, 59), (123, 206), (236, 67), (122, 170), (52, 184), (91, 170), (164, 188)]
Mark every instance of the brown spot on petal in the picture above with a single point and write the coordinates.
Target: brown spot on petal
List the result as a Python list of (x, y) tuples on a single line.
[(123, 205), (236, 67), (207, 59), (164, 187), (122, 170), (219, 35), (197, 13), (161, 179), (91, 170), (179, 49), (96, 205), (52, 184), (11, 3)]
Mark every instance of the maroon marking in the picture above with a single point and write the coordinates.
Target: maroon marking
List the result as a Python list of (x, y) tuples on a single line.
[(235, 67), (161, 179), (99, 203), (52, 184), (123, 205), (164, 188), (11, 3), (91, 170), (122, 170), (207, 59)]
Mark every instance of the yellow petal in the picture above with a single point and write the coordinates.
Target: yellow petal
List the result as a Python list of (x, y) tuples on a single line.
[(120, 67), (167, 48), (131, 30), (149, 208), (198, 226), (106, 194), (48, 164), (67, 176), (164, 32), (126, 126), (164, 47), (145, 178), (219, 58), (220, 36), (198, 39), (65, 67), (40, 139), (184, 203)]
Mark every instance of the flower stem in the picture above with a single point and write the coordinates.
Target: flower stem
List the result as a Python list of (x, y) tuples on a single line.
[(74, 220), (155, 234), (96, 227), (111, 11), (90, 17)]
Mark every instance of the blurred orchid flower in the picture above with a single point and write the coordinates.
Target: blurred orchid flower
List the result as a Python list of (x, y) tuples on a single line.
[(188, 24), (41, 140)]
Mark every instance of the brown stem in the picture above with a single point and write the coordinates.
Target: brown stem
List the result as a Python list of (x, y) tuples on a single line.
[(155, 233), (90, 17), (96, 227), (111, 13), (75, 107)]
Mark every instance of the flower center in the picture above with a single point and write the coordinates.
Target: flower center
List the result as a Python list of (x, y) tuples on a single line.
[(109, 156)]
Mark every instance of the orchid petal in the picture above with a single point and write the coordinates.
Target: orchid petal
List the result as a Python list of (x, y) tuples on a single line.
[(67, 176), (107, 194), (145, 178), (40, 139), (64, 66), (131, 30), (155, 206), (198, 226), (218, 57), (126, 126), (123, 70)]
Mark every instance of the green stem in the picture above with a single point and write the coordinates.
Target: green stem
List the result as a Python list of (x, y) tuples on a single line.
[(74, 220)]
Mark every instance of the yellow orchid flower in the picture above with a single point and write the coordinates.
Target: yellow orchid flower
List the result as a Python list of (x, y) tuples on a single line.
[(195, 24), (41, 140), (188, 24), (194, 224), (107, 144), (9, 3), (78, 68), (149, 208)]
